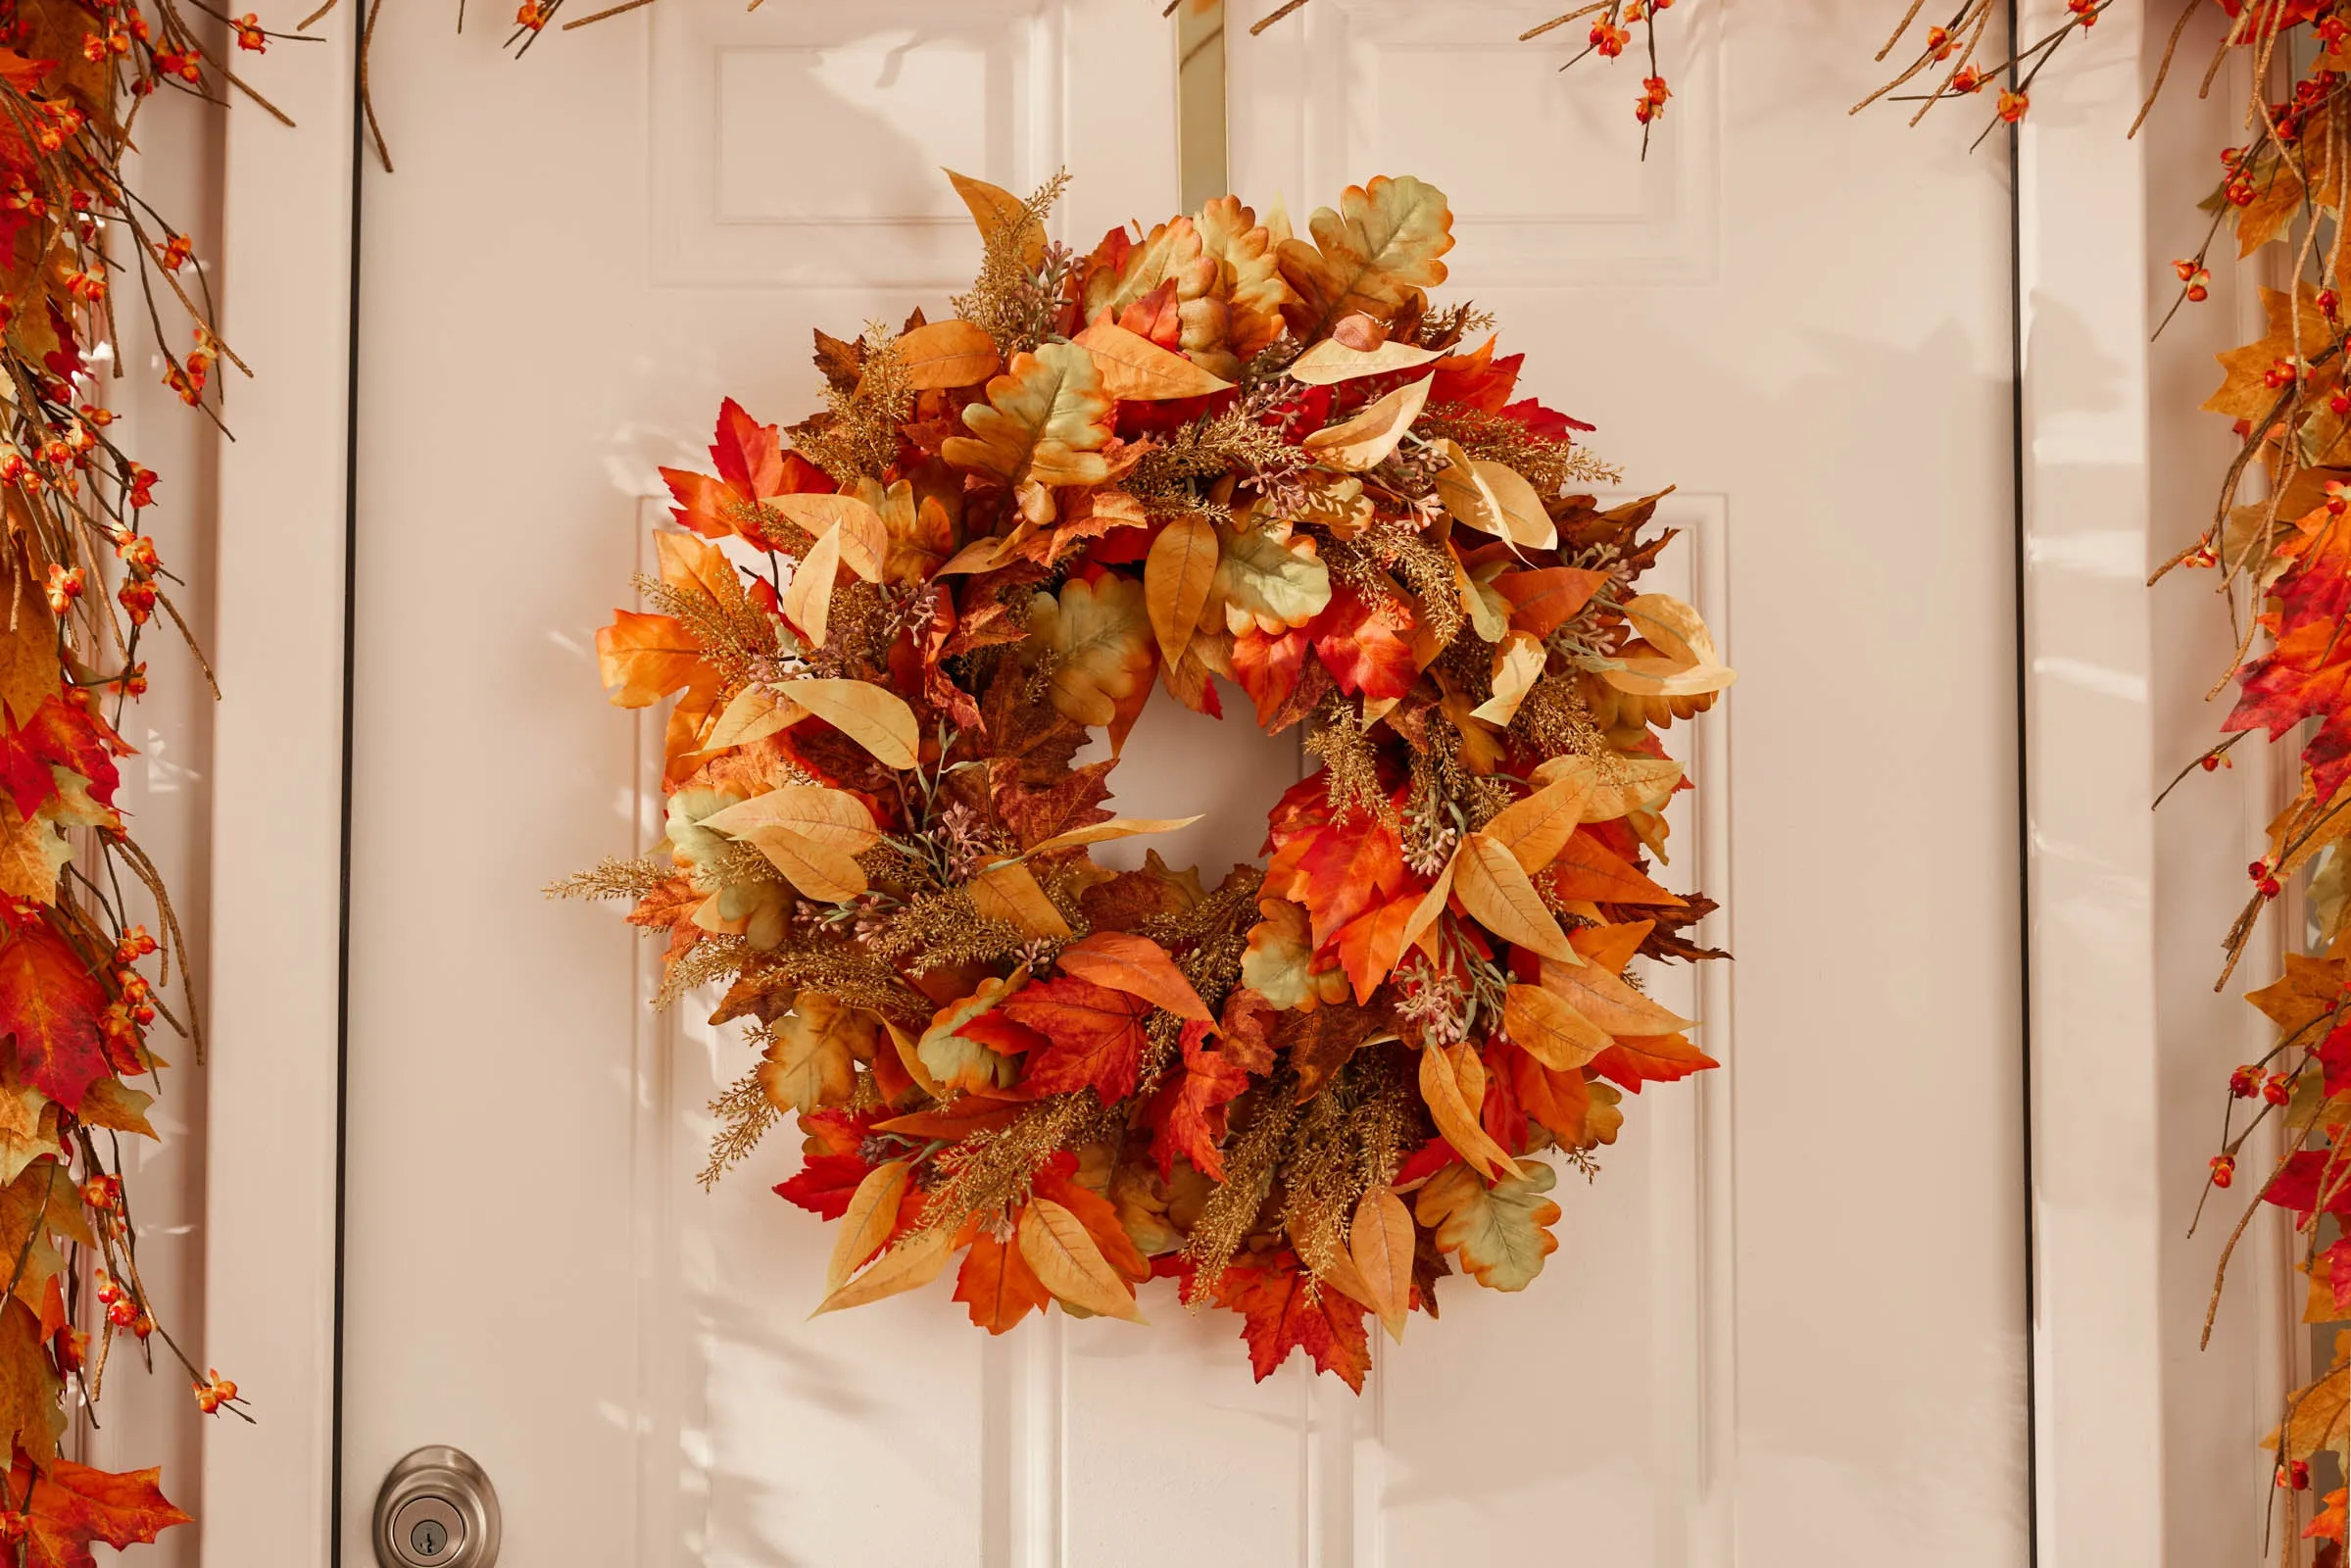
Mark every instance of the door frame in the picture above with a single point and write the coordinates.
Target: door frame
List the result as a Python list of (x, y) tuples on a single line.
[(2124, 1042)]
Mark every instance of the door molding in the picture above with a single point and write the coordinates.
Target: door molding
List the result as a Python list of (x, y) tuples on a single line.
[(2145, 1449), (273, 1149), (2128, 1043)]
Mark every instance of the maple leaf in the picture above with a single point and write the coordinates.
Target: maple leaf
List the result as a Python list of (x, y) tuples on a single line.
[(1372, 255), (50, 1004), (1476, 381), (1319, 1042), (1045, 421), (1188, 1117), (2297, 328), (1280, 1314), (997, 1284), (825, 1184), (1339, 870), (2311, 1179), (1268, 670), (1366, 653), (1093, 1037), (68, 1505)]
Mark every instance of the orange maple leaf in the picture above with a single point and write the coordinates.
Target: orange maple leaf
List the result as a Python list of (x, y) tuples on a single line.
[(1281, 1315), (50, 1003), (70, 1506), (1093, 1037)]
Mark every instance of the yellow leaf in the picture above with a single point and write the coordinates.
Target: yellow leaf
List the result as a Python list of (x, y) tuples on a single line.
[(1069, 1264), (1518, 663), (1372, 255), (864, 544), (808, 598), (909, 1266), (1135, 370), (947, 354), (1331, 361), (1117, 827), (1176, 577), (866, 1224), (1431, 905), (1494, 888), (1100, 634), (1550, 1031), (833, 818), (1449, 1081), (1536, 829), (1493, 499), (1365, 441), (1381, 1243), (991, 208), (876, 719), (1685, 664), (643, 658), (1010, 893), (1045, 421)]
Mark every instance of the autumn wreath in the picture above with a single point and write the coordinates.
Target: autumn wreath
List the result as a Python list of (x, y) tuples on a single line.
[(1213, 449)]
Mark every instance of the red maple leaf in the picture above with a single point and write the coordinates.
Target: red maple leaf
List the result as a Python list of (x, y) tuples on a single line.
[(2306, 1174), (1268, 668), (753, 466), (50, 1003), (72, 1506), (1093, 1037), (1281, 1315), (1360, 647), (1544, 422), (1478, 380), (825, 1184), (1339, 870), (1188, 1117)]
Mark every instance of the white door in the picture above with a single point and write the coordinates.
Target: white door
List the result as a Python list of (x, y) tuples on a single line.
[(1785, 1328)]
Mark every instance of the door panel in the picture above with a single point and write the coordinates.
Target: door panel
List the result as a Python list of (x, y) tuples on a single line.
[(583, 252)]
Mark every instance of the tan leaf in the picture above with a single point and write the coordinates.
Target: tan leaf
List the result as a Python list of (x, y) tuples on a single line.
[(991, 208), (1453, 1087), (1518, 662), (1101, 632), (947, 354), (1372, 255), (821, 871), (1493, 499), (909, 1266), (864, 543), (1381, 1243), (1177, 576), (1138, 967), (1494, 888), (833, 818), (1055, 1243), (1641, 784), (1010, 893), (1609, 1003), (810, 1060), (866, 1224), (1331, 361), (1135, 370), (1550, 1031), (752, 714), (808, 598), (1365, 441), (1117, 827), (876, 719), (1685, 665), (1536, 829)]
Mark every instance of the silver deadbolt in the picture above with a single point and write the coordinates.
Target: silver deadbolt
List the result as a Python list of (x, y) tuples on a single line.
[(437, 1509)]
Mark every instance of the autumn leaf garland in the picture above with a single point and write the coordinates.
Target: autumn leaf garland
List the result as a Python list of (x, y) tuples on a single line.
[(1216, 452)]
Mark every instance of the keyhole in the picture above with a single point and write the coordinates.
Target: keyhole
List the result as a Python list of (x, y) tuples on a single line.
[(428, 1538)]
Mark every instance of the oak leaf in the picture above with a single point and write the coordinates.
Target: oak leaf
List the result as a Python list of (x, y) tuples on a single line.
[(1269, 579), (810, 1059), (1500, 1233), (1045, 421), (1373, 255), (1279, 962), (1100, 636)]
